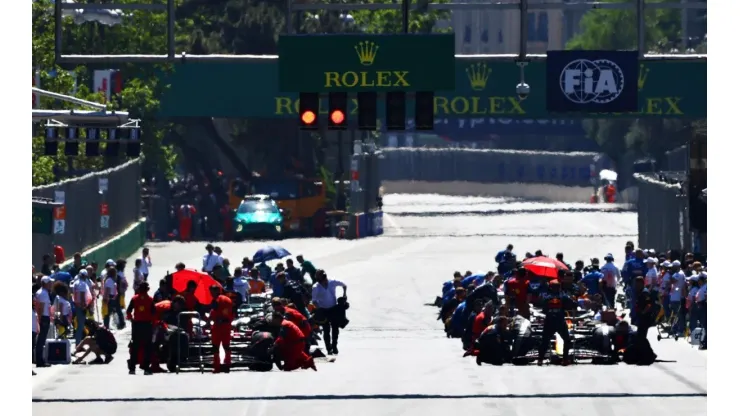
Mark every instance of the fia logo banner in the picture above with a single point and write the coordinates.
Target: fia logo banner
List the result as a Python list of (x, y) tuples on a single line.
[(592, 81)]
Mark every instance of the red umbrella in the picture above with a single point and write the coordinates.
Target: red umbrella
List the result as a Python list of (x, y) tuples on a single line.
[(544, 266), (181, 278)]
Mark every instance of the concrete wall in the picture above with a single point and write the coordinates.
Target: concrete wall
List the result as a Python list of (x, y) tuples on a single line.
[(486, 166)]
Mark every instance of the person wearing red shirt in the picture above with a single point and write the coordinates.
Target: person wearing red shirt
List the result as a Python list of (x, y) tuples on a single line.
[(517, 292), (191, 302), (186, 214), (141, 312), (292, 315), (222, 313), (290, 345), (480, 323)]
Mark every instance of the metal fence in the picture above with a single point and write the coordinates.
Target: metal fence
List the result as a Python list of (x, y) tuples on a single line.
[(85, 199), (662, 212), (489, 166)]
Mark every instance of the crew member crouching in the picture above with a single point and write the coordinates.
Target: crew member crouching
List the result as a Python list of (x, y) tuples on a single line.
[(289, 345), (141, 312), (222, 313), (293, 315)]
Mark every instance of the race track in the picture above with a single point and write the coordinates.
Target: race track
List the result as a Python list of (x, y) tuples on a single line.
[(394, 358)]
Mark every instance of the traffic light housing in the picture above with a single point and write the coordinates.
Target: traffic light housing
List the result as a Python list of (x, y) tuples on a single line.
[(424, 119), (338, 111), (72, 144), (133, 148), (308, 110), (395, 110), (367, 109), (112, 146), (51, 143), (92, 142)]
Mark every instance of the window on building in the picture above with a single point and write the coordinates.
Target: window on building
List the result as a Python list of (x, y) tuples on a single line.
[(531, 26), (543, 28)]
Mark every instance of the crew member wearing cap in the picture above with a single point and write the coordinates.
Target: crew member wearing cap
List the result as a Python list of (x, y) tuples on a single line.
[(80, 290), (611, 277), (210, 259), (555, 303), (43, 309), (222, 313), (678, 293), (141, 312), (290, 345), (651, 276), (665, 288)]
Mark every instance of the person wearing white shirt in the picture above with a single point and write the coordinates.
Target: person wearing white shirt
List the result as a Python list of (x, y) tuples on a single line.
[(43, 309), (691, 302), (651, 276), (211, 259), (241, 284), (677, 306), (111, 297), (701, 304), (138, 276), (34, 329), (146, 263), (324, 297), (80, 293), (612, 275)]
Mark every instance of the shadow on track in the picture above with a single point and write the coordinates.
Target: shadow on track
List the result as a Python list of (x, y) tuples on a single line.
[(376, 397)]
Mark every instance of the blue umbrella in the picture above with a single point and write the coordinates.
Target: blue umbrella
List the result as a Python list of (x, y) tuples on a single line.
[(270, 253)]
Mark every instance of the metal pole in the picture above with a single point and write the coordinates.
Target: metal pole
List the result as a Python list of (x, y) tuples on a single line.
[(684, 27), (523, 33), (641, 27), (405, 12), (57, 29), (289, 17), (171, 29)]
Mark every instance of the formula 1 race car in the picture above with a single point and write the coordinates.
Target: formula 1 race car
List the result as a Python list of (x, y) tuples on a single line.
[(520, 345)]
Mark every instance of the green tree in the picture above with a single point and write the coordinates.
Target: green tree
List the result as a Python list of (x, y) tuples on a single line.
[(617, 29), (137, 34)]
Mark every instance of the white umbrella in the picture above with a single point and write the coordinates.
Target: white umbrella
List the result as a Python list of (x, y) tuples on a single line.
[(608, 175)]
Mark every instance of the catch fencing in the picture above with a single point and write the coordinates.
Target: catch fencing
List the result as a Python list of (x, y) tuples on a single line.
[(96, 207), (485, 165), (662, 212)]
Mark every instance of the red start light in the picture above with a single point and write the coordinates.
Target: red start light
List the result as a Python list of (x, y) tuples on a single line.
[(308, 117), (337, 117)]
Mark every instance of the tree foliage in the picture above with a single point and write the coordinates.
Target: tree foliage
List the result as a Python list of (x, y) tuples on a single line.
[(137, 34), (617, 29)]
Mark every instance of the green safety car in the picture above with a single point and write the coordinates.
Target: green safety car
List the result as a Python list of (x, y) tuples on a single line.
[(258, 216)]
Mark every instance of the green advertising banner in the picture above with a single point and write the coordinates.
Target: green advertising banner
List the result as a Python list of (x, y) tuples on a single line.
[(42, 219), (484, 88), (352, 63)]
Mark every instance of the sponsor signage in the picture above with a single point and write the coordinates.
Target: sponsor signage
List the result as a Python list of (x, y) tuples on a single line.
[(592, 81)]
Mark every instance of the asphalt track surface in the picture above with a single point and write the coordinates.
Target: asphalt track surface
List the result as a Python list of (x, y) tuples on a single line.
[(394, 358)]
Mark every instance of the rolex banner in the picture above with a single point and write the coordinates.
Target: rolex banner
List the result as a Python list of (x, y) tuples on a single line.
[(592, 81)]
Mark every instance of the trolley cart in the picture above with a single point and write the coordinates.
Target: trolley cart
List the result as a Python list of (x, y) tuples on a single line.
[(179, 330)]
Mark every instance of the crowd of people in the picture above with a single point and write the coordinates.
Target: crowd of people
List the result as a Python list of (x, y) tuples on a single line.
[(664, 289), (303, 301)]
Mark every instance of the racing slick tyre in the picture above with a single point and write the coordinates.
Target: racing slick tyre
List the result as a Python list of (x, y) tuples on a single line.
[(173, 339), (524, 341), (261, 350)]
